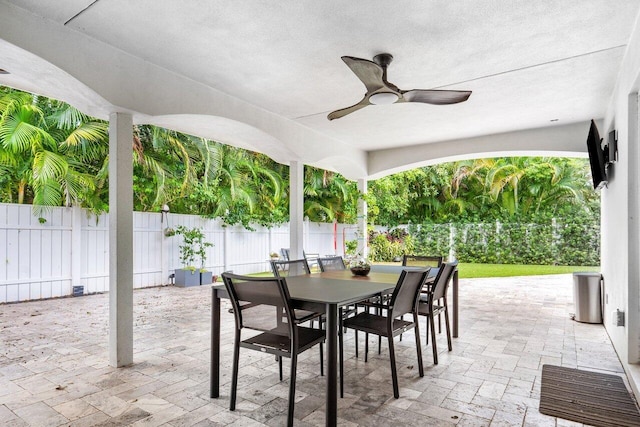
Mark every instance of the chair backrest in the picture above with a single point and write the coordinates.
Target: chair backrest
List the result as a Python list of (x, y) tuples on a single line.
[(260, 303), (421, 261), (285, 253), (296, 267), (407, 291), (331, 263), (441, 282)]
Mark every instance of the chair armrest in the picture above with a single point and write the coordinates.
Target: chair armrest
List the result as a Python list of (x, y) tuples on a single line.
[(310, 316), (374, 304)]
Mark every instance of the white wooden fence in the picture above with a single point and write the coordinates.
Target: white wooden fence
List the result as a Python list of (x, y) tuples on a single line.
[(45, 257)]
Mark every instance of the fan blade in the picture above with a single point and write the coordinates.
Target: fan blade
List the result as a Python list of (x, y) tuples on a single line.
[(437, 97), (344, 111), (367, 71)]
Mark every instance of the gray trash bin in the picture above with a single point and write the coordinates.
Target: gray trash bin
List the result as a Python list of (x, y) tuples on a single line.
[(587, 297)]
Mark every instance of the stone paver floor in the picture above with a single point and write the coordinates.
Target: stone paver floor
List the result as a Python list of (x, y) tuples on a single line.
[(54, 364)]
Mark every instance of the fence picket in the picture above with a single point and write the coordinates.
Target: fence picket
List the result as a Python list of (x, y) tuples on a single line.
[(36, 260)]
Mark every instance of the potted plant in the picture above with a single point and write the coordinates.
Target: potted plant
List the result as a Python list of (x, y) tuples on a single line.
[(193, 245), (206, 277), (359, 266)]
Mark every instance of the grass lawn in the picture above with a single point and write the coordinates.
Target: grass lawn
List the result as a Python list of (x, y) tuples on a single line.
[(469, 271)]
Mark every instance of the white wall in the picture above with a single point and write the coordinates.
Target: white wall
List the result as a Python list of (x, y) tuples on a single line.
[(37, 259), (621, 212)]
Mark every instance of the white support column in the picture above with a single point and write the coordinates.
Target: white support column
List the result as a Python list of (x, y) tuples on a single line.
[(363, 235), (76, 247), (296, 209), (120, 239), (306, 241)]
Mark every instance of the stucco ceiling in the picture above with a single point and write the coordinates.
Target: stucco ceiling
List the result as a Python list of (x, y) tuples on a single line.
[(530, 64)]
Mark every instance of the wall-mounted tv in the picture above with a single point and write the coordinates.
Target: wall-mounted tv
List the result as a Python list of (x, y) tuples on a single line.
[(596, 158)]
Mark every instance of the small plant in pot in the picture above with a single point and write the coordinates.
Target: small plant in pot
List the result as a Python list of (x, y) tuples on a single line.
[(206, 277), (359, 266), (193, 246)]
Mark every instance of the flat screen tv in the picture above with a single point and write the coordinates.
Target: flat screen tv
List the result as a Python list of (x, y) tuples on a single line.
[(596, 158)]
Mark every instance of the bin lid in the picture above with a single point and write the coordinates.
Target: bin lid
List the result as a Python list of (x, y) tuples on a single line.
[(588, 273)]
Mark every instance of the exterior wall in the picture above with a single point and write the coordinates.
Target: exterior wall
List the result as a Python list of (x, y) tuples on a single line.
[(620, 214), (37, 258)]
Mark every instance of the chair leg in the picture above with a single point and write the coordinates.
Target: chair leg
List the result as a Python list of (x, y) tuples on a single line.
[(292, 388), (433, 338), (418, 345), (426, 334), (401, 318), (379, 312), (234, 372), (394, 373), (447, 326), (439, 323), (280, 366), (321, 361), (356, 338), (341, 356), (366, 347)]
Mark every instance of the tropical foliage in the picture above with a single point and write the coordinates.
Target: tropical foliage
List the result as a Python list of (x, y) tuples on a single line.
[(50, 153), (53, 155)]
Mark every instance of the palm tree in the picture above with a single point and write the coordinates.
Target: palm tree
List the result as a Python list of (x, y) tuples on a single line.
[(328, 195), (54, 145)]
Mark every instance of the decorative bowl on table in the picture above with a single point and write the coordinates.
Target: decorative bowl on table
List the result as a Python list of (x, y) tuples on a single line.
[(360, 271), (359, 266)]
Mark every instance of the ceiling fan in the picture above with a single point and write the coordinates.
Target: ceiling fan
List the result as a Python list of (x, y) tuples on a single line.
[(379, 91)]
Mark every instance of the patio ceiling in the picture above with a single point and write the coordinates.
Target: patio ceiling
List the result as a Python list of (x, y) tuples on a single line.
[(264, 75)]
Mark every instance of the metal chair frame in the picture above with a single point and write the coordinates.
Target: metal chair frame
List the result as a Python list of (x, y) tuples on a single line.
[(404, 300), (429, 306), (297, 339)]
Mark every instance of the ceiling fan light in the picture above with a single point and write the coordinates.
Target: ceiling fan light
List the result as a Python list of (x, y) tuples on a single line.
[(383, 98)]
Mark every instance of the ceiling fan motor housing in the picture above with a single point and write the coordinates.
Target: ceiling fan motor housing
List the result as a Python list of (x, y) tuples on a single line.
[(383, 59)]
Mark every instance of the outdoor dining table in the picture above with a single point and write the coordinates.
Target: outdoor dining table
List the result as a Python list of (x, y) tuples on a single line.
[(324, 293)]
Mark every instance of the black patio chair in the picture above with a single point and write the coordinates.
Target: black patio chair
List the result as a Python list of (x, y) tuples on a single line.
[(429, 305), (332, 263), (259, 303), (336, 263), (296, 267), (285, 253), (312, 258), (404, 300), (434, 261)]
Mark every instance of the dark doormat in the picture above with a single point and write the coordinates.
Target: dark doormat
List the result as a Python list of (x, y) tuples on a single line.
[(587, 397)]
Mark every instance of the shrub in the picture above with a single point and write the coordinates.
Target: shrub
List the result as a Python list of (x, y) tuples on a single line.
[(387, 246), (575, 241)]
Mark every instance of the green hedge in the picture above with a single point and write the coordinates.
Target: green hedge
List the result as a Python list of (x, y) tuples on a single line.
[(553, 243)]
